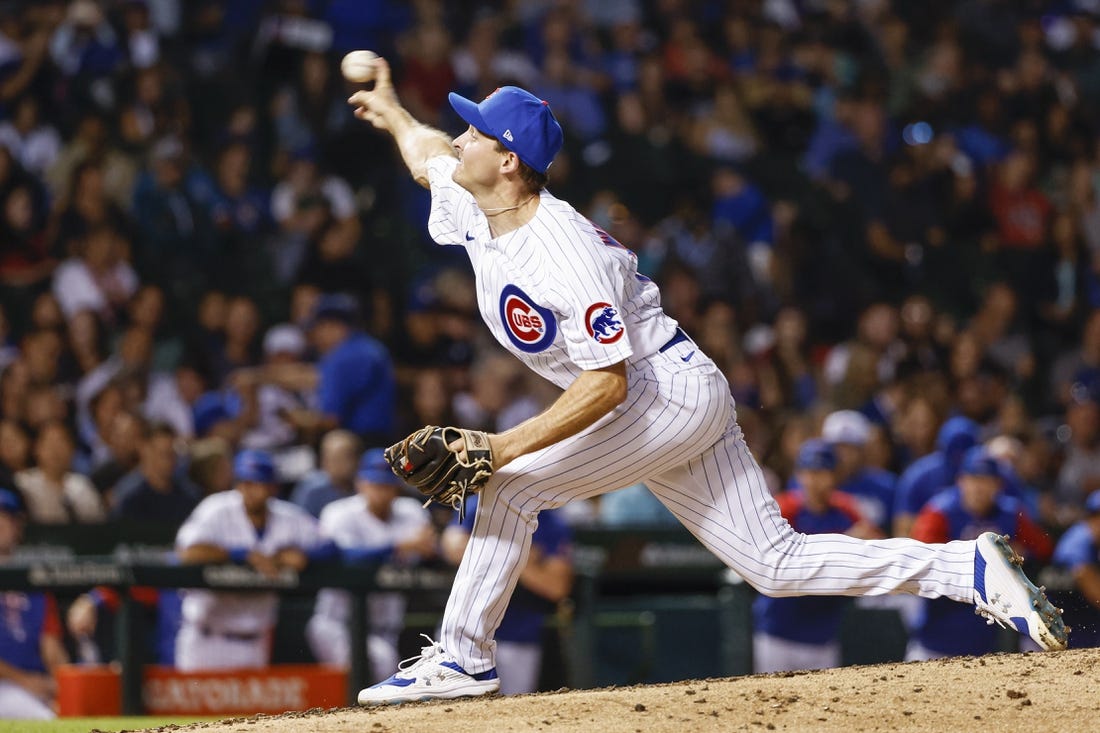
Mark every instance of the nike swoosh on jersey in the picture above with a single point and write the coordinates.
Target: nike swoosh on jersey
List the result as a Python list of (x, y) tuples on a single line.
[(688, 356), (469, 237)]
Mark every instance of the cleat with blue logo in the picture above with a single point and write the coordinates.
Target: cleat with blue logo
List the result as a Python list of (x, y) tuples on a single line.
[(1005, 596), (434, 675)]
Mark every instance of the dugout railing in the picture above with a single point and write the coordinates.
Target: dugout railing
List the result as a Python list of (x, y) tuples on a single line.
[(648, 606)]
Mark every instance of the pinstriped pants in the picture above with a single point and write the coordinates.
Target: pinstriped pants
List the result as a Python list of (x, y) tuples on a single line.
[(677, 432)]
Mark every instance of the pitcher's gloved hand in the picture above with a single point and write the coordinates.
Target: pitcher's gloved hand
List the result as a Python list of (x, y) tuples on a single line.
[(445, 464)]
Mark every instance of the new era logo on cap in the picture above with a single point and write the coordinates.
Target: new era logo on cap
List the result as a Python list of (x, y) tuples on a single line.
[(507, 135)]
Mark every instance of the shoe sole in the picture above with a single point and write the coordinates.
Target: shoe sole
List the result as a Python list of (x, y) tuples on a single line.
[(474, 690), (1051, 633)]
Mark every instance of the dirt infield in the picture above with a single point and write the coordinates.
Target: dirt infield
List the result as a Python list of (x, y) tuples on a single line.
[(1006, 692)]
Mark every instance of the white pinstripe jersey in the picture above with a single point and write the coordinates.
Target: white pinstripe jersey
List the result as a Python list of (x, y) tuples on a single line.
[(558, 292), (220, 519)]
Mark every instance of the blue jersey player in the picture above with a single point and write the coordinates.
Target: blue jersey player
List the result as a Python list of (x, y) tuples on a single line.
[(976, 503), (1078, 552), (30, 634), (802, 632)]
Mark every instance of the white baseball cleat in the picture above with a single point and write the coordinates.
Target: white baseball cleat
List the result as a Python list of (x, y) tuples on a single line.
[(434, 675), (1005, 596)]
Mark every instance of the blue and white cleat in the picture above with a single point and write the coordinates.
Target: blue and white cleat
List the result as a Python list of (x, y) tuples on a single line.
[(1005, 596), (434, 675)]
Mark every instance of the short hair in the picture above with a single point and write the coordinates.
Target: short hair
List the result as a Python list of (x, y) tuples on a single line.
[(57, 425), (205, 455), (339, 438), (534, 180), (158, 429)]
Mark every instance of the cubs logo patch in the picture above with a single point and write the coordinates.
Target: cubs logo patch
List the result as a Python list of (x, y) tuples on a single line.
[(603, 323), (530, 327)]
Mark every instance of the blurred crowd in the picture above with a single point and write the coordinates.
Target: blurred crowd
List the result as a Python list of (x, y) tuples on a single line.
[(886, 211)]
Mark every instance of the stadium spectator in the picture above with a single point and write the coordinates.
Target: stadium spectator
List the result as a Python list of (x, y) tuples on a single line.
[(155, 491), (30, 634), (160, 609), (848, 431), (226, 413), (151, 107), (429, 73), (32, 141), (85, 45), (354, 378), (92, 178), (129, 364), (173, 396), (1080, 364), (15, 450), (26, 48), (86, 343), (914, 424), (496, 400), (336, 478), (25, 261), (928, 475), (247, 526), (1079, 474), (306, 203), (376, 524), (121, 441), (239, 348), (975, 503), (238, 215), (97, 278), (210, 466), (283, 344), (171, 222), (546, 581), (147, 309), (53, 493)]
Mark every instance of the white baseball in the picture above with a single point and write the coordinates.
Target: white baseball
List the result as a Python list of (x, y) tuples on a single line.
[(358, 66)]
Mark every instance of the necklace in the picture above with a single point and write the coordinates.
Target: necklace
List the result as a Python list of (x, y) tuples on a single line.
[(502, 209)]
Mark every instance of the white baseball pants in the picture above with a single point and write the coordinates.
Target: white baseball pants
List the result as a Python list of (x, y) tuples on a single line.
[(330, 642), (196, 651), (677, 432), (17, 703), (518, 665), (774, 654)]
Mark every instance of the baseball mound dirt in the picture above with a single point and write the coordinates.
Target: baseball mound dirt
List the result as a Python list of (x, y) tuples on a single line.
[(1005, 692)]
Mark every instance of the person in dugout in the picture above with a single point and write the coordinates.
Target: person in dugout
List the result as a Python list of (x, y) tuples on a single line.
[(974, 504), (30, 634), (802, 632), (1078, 553)]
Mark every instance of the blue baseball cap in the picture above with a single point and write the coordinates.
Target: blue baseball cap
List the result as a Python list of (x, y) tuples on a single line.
[(213, 407), (254, 465), (374, 467), (522, 122), (957, 435), (978, 461), (816, 455), (10, 503), (335, 307)]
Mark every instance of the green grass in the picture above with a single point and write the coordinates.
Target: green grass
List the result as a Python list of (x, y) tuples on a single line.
[(83, 725)]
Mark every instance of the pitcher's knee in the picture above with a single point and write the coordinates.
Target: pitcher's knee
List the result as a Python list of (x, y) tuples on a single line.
[(777, 574), (516, 492)]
